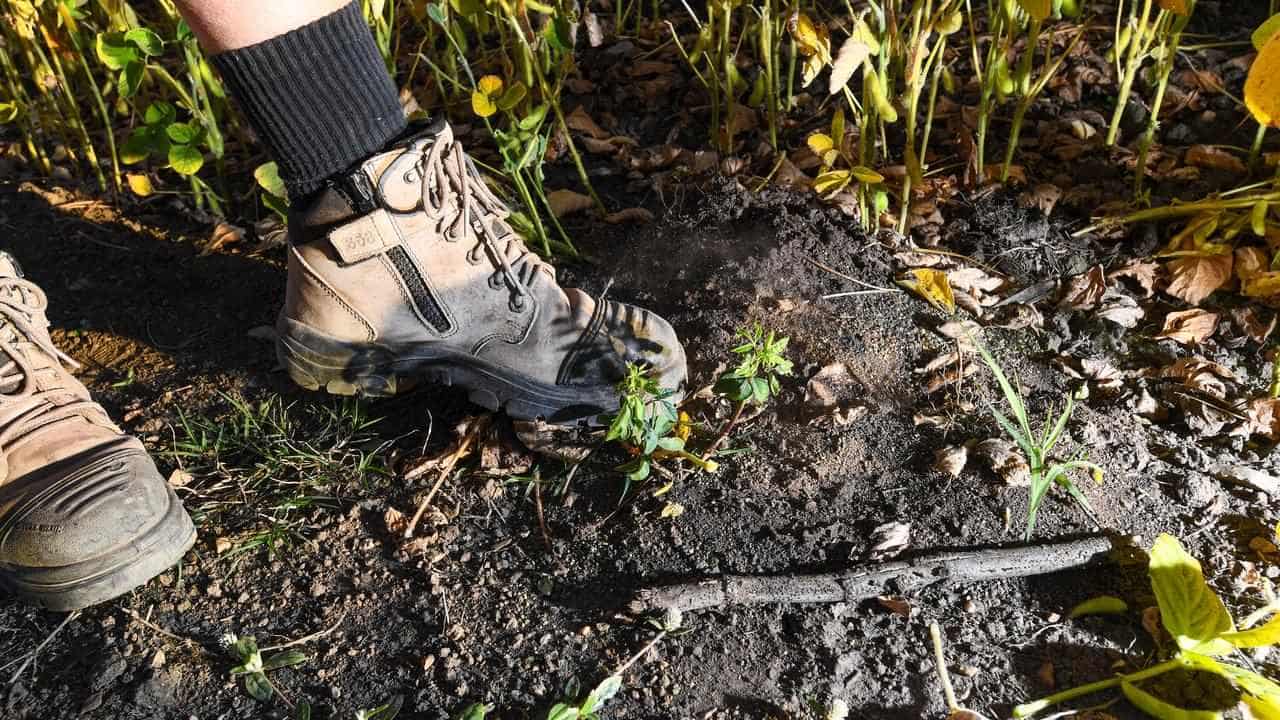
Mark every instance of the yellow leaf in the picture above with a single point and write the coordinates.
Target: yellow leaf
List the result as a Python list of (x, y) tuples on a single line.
[(140, 184), (1266, 31), (672, 510), (933, 286), (1262, 88), (820, 143), (812, 39), (1039, 9), (867, 175), (1101, 605), (831, 182), (1261, 636), (1261, 285), (484, 99), (490, 85), (482, 105), (1177, 7), (1192, 613)]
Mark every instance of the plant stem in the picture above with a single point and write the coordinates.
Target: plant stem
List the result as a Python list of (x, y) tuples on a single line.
[(724, 432), (1029, 709), (1134, 55), (1028, 96), (1163, 69)]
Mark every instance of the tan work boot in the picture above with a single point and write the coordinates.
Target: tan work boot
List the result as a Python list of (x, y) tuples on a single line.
[(407, 268), (84, 514)]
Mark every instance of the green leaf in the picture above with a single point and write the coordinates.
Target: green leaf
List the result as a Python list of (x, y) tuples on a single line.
[(1101, 605), (1039, 487), (436, 13), (268, 177), (534, 118), (512, 96), (258, 686), (160, 112), (284, 659), (671, 444), (1161, 710), (8, 112), (303, 711), (1053, 436), (1261, 636), (113, 51), (185, 160), (474, 711), (1013, 397), (602, 694), (145, 40), (131, 79), (182, 133), (244, 648), (1192, 613), (561, 711), (1264, 32)]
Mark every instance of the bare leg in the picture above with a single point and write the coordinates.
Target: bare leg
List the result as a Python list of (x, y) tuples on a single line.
[(230, 24)]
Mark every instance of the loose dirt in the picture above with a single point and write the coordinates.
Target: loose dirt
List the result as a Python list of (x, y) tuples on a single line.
[(485, 611)]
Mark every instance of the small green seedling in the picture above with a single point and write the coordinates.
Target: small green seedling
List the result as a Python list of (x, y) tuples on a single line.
[(382, 712), (648, 423), (762, 362), (1044, 473), (590, 706), (255, 668), (1202, 630)]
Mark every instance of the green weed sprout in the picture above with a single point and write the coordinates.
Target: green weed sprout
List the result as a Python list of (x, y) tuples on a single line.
[(762, 362), (648, 423), (1044, 474), (254, 667), (1202, 630), (589, 707)]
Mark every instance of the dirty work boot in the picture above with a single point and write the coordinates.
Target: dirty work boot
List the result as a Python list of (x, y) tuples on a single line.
[(406, 269), (84, 514)]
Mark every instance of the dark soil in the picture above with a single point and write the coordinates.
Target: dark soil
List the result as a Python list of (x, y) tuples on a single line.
[(486, 612)]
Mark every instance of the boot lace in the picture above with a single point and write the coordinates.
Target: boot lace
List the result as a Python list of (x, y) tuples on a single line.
[(20, 301), (448, 172)]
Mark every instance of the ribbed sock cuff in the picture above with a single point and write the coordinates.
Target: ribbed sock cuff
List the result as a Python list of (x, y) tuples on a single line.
[(319, 97)]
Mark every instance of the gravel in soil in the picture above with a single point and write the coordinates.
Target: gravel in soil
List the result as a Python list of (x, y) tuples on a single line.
[(482, 609)]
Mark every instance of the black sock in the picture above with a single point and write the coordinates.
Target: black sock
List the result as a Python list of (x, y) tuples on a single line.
[(319, 97)]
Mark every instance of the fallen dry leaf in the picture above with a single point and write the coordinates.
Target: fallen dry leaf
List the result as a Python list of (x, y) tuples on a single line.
[(395, 522), (1143, 272), (224, 234), (1006, 461), (1208, 156), (896, 605), (580, 121), (1194, 278), (567, 202), (890, 539), (1189, 327), (1085, 291), (950, 460), (1251, 323), (629, 215)]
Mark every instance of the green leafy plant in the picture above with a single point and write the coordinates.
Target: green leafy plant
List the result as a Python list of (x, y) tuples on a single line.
[(648, 423), (762, 361), (1045, 473), (386, 711), (254, 667), (274, 195), (1202, 630)]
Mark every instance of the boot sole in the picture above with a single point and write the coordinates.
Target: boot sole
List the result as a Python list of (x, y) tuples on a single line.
[(96, 580), (316, 361)]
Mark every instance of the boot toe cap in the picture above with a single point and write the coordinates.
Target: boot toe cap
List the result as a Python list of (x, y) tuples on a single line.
[(645, 338), (83, 508)]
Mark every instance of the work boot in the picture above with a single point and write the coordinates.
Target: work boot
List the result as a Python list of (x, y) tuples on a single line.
[(84, 514), (406, 268)]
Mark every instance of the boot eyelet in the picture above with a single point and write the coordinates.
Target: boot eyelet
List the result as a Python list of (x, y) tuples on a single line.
[(495, 281), (473, 255)]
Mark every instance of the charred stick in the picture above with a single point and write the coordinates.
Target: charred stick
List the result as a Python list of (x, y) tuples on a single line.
[(902, 576)]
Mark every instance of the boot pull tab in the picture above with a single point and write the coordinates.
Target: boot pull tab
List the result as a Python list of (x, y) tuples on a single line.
[(400, 186)]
